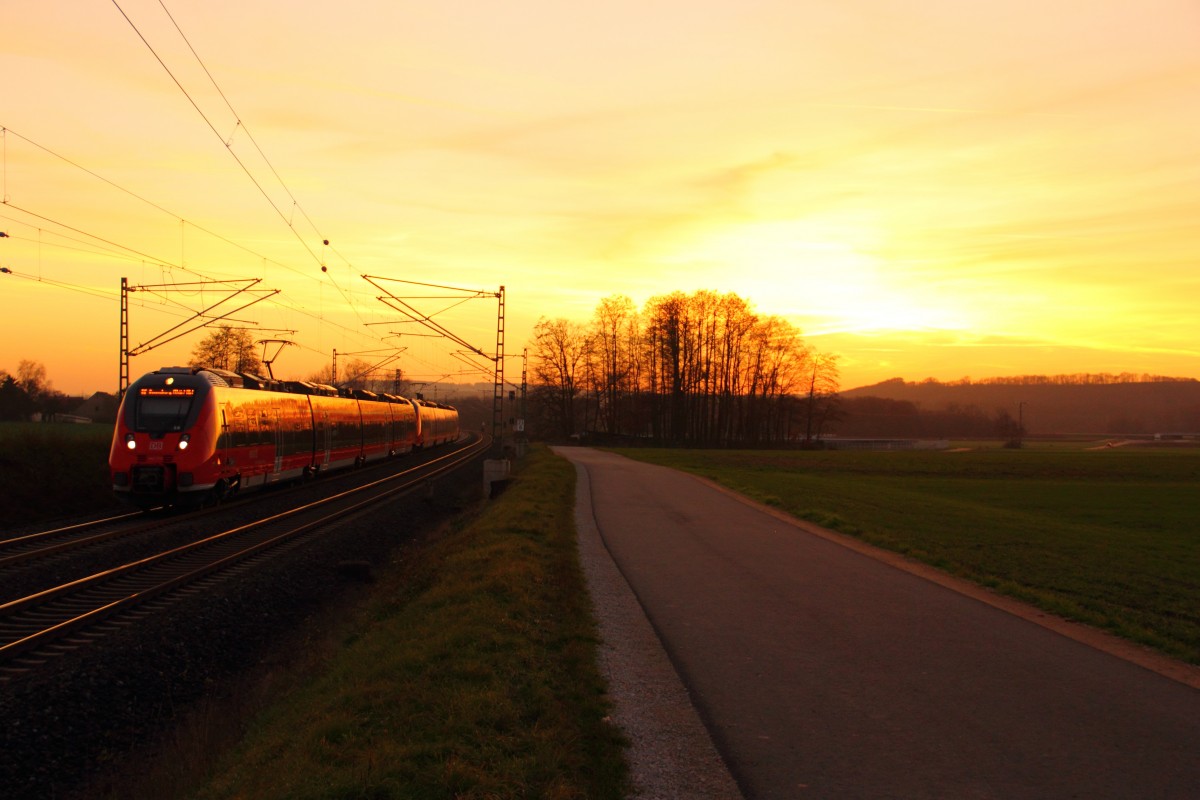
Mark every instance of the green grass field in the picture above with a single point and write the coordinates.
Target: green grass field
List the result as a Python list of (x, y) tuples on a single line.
[(53, 470), (1109, 537)]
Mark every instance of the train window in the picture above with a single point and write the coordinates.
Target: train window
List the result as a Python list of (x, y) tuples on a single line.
[(162, 412)]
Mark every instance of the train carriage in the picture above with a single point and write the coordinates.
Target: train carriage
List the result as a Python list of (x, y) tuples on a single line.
[(436, 423), (403, 424), (185, 436)]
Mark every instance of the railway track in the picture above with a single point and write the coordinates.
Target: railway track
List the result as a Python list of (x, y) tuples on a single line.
[(29, 547), (22, 549), (38, 626)]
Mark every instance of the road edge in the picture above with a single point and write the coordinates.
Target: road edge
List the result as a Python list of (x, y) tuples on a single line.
[(671, 754), (1111, 644)]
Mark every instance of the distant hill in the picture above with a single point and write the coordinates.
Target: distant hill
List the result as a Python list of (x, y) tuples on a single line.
[(1047, 405)]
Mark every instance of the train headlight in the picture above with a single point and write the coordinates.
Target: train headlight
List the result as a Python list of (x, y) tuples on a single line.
[(129, 441), (183, 441)]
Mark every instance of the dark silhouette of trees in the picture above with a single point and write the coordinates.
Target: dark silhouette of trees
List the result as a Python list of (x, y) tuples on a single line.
[(559, 352), (701, 370), (228, 348), (614, 362), (31, 376), (820, 396), (15, 403), (1108, 405), (1009, 429), (29, 392)]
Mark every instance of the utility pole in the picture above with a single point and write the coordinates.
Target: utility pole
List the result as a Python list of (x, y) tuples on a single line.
[(123, 378), (498, 388)]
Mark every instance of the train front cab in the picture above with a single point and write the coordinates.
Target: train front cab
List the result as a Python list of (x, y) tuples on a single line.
[(185, 436), (166, 427)]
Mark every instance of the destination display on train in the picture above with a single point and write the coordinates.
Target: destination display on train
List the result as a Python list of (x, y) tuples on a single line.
[(172, 391)]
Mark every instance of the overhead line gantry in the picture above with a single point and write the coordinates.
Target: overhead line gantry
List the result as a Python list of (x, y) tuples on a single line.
[(203, 315), (401, 304)]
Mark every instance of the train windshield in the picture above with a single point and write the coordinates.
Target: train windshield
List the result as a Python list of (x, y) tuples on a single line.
[(164, 409)]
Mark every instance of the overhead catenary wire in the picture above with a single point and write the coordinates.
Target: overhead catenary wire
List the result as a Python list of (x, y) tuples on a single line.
[(168, 212), (227, 143), (287, 215), (163, 263), (143, 257), (173, 215), (414, 315), (240, 123), (97, 237), (86, 247), (88, 290)]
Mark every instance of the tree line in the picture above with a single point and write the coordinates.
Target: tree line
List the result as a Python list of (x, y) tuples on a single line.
[(28, 393), (873, 417), (954, 410), (1071, 379), (703, 369)]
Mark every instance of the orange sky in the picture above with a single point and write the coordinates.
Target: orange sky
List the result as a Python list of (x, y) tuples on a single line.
[(937, 189)]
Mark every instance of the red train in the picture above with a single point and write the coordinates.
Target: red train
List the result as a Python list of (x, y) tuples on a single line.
[(185, 436)]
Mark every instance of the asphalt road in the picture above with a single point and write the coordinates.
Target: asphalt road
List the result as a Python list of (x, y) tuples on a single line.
[(823, 672)]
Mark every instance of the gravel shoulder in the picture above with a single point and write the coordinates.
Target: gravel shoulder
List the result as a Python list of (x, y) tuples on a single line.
[(671, 754)]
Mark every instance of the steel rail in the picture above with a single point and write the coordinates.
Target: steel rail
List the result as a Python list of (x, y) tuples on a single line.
[(124, 601), (26, 548), (30, 537)]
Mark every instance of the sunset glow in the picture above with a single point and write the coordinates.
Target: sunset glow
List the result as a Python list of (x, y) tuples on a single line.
[(933, 190)]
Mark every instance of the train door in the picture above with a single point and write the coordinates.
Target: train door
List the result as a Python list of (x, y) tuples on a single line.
[(279, 434), (223, 440), (326, 438)]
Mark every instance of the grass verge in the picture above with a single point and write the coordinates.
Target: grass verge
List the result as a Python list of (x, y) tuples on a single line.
[(1108, 537), (471, 674), (53, 470)]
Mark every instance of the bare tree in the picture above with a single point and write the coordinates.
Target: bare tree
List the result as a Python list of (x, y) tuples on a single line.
[(666, 331), (228, 348), (31, 376), (358, 374), (559, 349), (616, 359), (820, 392), (323, 376), (1009, 429), (699, 369)]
